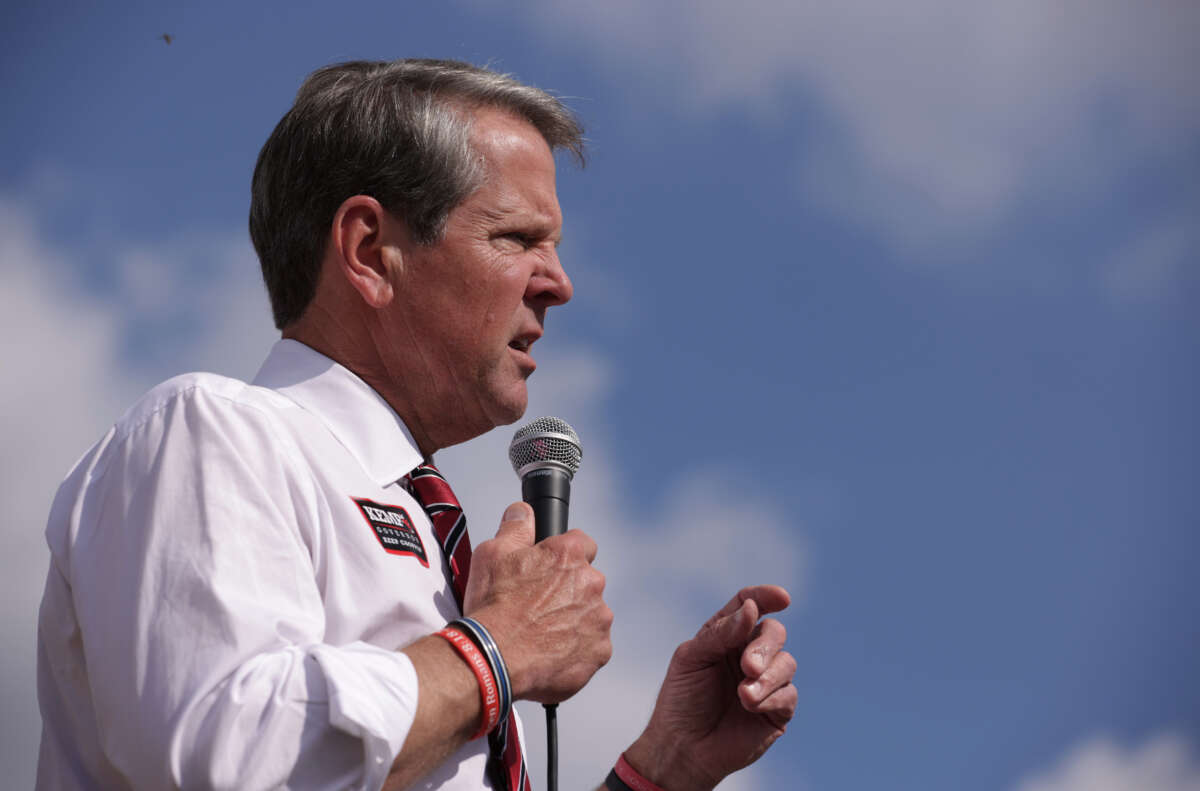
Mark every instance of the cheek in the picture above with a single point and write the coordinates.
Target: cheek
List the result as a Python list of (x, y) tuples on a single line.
[(504, 298)]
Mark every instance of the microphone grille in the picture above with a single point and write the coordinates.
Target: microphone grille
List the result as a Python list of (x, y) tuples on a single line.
[(547, 441)]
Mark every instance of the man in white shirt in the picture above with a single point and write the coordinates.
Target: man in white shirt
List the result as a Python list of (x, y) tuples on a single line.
[(242, 591)]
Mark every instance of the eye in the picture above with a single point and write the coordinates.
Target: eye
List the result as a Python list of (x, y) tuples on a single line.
[(518, 239)]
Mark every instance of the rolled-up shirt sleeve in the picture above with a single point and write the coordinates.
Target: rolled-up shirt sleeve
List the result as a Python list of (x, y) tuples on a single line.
[(188, 592)]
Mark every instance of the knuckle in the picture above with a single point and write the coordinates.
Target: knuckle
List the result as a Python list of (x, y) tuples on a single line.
[(555, 553), (581, 541), (681, 652), (552, 545), (770, 631), (484, 553)]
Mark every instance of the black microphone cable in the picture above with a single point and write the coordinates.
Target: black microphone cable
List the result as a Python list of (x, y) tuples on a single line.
[(551, 746)]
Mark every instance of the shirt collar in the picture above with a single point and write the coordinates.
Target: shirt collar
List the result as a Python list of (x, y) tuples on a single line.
[(354, 413)]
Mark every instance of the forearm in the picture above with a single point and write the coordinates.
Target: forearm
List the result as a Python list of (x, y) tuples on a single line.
[(286, 700), (278, 717), (448, 711)]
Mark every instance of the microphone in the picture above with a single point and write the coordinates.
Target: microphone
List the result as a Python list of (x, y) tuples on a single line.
[(545, 455)]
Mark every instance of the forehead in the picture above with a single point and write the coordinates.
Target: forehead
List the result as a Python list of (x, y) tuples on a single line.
[(519, 170)]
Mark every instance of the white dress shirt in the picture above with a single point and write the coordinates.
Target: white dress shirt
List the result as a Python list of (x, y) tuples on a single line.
[(226, 597)]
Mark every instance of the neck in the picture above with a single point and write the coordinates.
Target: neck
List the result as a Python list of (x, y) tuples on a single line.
[(351, 347)]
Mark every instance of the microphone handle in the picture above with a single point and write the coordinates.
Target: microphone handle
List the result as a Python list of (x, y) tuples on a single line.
[(548, 490)]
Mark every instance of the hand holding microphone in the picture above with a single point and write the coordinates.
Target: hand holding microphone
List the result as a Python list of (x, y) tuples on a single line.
[(542, 601)]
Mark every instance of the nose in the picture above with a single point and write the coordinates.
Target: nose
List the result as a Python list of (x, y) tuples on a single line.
[(550, 284)]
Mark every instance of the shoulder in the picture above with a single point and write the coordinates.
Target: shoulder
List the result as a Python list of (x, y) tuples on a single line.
[(194, 435), (199, 416), (206, 395)]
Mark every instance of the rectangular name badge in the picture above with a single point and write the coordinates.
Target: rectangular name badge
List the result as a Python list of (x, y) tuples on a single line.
[(394, 528)]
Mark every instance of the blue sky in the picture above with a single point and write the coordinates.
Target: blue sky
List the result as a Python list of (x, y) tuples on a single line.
[(897, 307)]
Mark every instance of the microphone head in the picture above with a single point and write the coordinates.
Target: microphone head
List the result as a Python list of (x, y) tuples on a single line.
[(545, 442)]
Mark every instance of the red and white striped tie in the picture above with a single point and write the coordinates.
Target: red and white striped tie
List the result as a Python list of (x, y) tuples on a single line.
[(506, 762)]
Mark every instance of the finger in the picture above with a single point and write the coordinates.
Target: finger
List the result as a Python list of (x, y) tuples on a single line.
[(778, 674), (768, 598), (766, 641), (516, 526), (584, 543), (779, 707), (723, 633)]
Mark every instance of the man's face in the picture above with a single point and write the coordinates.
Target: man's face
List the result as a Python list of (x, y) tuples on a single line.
[(472, 304)]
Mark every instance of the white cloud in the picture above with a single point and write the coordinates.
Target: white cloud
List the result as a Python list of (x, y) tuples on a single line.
[(57, 350), (941, 117), (68, 374), (200, 297), (1164, 763), (70, 371)]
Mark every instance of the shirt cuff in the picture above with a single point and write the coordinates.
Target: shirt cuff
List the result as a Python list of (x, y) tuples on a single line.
[(372, 696)]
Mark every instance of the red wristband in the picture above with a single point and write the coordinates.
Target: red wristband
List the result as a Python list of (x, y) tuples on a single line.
[(630, 777), (487, 683)]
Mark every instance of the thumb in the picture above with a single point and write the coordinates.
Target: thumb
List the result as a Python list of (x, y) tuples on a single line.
[(724, 633), (516, 526)]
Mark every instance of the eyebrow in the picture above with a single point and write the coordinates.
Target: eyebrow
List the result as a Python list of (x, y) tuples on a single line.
[(522, 217)]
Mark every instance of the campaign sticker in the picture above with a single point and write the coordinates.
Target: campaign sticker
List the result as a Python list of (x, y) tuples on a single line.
[(394, 528)]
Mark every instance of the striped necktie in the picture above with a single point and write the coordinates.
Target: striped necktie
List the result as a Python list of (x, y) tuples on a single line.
[(506, 763)]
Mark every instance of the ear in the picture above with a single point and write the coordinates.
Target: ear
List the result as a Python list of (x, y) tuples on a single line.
[(357, 239)]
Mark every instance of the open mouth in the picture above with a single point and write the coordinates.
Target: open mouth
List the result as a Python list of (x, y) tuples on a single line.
[(523, 341)]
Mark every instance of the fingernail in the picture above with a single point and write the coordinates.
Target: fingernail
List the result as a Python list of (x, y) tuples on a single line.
[(754, 688), (514, 511)]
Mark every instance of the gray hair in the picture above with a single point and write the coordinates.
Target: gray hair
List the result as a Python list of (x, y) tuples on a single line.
[(398, 131)]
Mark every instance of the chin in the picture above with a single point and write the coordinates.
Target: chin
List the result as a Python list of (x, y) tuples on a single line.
[(509, 416), (511, 409)]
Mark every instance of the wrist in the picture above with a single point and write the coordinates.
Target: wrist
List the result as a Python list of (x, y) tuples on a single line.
[(515, 659), (624, 777), (662, 764), (483, 640), (488, 690)]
